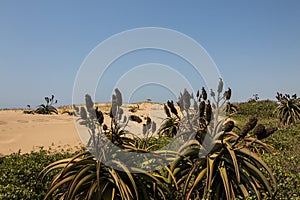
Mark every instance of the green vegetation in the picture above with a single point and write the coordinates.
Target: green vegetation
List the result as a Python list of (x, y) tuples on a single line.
[(239, 166), (19, 174), (284, 159)]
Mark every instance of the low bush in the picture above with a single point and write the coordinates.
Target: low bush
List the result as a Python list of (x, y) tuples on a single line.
[(19, 174)]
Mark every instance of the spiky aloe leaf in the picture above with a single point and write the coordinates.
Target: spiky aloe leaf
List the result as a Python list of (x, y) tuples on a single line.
[(258, 175), (210, 172), (81, 174), (199, 177), (54, 187), (259, 163), (224, 176), (235, 163)]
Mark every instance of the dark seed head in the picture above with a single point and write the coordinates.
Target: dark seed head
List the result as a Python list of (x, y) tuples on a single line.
[(47, 99), (119, 100), (153, 126), (148, 121), (170, 104), (88, 101), (99, 116), (113, 109), (202, 123), (204, 94), (228, 126), (248, 126), (172, 107), (220, 86), (197, 95), (83, 113), (253, 122), (227, 94), (167, 111), (186, 99), (144, 129), (195, 106), (260, 131), (201, 108), (105, 127), (89, 105), (208, 112), (212, 94)]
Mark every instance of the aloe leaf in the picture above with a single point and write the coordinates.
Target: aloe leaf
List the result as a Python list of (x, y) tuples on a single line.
[(235, 163), (200, 176), (56, 186), (226, 185)]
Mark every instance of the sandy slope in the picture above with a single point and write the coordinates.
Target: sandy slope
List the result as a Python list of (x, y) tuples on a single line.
[(27, 131)]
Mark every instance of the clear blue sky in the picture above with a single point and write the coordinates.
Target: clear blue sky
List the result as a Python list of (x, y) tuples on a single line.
[(255, 44)]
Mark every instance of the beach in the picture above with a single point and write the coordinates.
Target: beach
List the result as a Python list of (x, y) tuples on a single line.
[(29, 132)]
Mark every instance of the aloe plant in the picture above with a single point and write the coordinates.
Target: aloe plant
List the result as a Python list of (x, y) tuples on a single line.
[(228, 172), (28, 110), (47, 108), (288, 110), (219, 163), (85, 177), (103, 172), (170, 124), (231, 109), (214, 161)]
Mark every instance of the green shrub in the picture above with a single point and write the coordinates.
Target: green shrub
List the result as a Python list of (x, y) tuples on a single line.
[(285, 161), (19, 174), (260, 109)]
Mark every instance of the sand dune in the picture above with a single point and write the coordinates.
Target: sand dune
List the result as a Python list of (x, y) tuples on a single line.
[(28, 132)]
